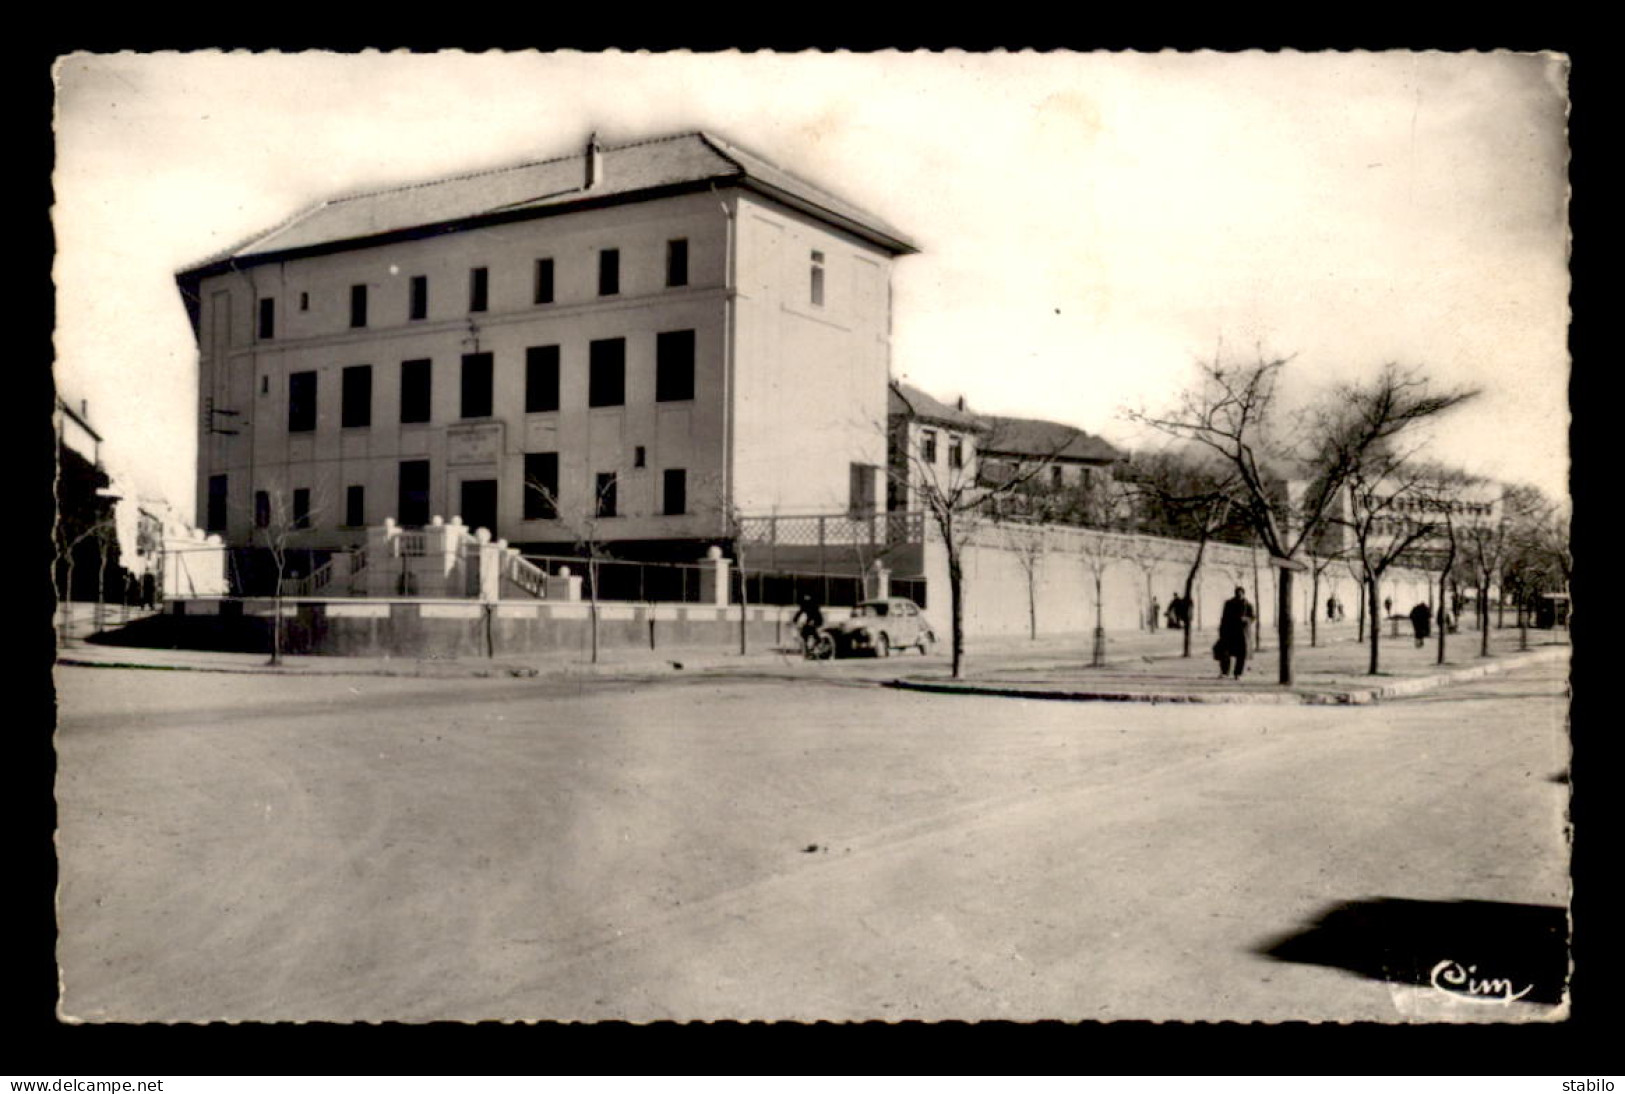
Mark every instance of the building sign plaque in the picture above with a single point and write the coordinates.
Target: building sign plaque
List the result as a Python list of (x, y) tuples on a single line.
[(471, 444)]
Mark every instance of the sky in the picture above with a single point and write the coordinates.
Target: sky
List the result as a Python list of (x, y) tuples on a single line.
[(1092, 225)]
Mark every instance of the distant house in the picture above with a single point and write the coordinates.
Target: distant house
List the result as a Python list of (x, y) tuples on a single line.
[(931, 444), (1072, 458)]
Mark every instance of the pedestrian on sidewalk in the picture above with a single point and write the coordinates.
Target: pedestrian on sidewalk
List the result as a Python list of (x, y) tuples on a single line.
[(1331, 608), (1421, 623), (1235, 634), (1156, 612)]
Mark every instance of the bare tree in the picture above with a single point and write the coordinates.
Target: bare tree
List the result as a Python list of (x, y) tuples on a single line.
[(101, 531), (584, 527), (1100, 553), (959, 499), (1234, 411), (1182, 496), (277, 523)]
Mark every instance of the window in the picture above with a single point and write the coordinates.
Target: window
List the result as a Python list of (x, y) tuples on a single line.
[(358, 305), (355, 506), (818, 278), (541, 485), (304, 301), (609, 272), (638, 456), (262, 509), (606, 372), (265, 385), (928, 445), (1055, 479), (676, 263), (301, 507), (419, 307), (356, 409), (268, 318), (541, 379), (479, 284), (479, 504), (301, 402), (216, 517), (956, 452), (862, 492), (476, 385), (675, 494), (544, 281), (416, 381), (412, 500), (674, 366), (604, 491)]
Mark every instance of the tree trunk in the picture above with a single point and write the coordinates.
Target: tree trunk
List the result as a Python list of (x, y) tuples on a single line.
[(744, 604), (1284, 623), (957, 611), (1484, 620), (592, 609), (1314, 609), (1032, 604), (1376, 628)]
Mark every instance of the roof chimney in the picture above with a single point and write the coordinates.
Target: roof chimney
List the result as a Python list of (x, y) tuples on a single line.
[(595, 162), (961, 402)]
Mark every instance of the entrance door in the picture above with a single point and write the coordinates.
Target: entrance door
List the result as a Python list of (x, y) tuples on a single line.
[(479, 508)]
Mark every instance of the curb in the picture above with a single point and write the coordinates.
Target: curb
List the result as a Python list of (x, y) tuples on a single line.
[(1352, 697)]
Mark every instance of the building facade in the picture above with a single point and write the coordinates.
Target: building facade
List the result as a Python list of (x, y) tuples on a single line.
[(634, 345)]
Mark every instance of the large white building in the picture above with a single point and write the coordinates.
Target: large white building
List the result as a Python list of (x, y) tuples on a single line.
[(639, 343)]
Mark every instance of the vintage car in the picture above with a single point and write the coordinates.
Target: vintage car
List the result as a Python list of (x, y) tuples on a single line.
[(881, 626)]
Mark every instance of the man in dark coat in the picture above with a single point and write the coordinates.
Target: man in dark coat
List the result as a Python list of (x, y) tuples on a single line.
[(1421, 623), (1235, 634)]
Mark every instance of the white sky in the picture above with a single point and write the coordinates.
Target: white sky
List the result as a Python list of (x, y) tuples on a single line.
[(1091, 225)]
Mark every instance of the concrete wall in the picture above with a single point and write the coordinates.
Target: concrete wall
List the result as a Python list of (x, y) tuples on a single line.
[(460, 629), (1134, 571)]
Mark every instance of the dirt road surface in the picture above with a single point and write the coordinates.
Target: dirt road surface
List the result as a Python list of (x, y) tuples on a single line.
[(806, 848)]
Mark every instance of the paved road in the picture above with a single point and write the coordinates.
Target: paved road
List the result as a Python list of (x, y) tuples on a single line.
[(805, 847)]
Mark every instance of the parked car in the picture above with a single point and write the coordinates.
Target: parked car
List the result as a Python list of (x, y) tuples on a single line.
[(881, 626)]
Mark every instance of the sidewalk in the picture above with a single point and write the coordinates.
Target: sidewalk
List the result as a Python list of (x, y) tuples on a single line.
[(1148, 668), (1141, 667)]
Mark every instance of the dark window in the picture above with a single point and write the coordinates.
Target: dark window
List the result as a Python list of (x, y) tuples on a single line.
[(638, 456), (358, 305), (420, 298), (304, 301), (606, 377), (355, 506), (862, 501), (479, 283), (301, 402), (1055, 479), (609, 272), (928, 446), (216, 517), (818, 278), (262, 509), (676, 491), (541, 485), (605, 493), (265, 385), (479, 508), (416, 381), (541, 379), (956, 453), (412, 502), (674, 365), (301, 507), (476, 385), (356, 408), (676, 262), (544, 281), (268, 318)]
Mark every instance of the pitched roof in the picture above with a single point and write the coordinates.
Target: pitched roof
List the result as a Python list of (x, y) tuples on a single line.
[(626, 173), (1039, 439), (908, 400)]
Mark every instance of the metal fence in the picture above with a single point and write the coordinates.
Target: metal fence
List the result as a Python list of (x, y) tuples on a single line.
[(682, 583)]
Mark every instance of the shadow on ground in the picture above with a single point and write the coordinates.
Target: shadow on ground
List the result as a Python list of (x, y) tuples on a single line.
[(1465, 947)]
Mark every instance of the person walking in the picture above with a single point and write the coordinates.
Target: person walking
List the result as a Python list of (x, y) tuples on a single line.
[(1331, 608), (1421, 623), (1235, 634), (1155, 615)]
